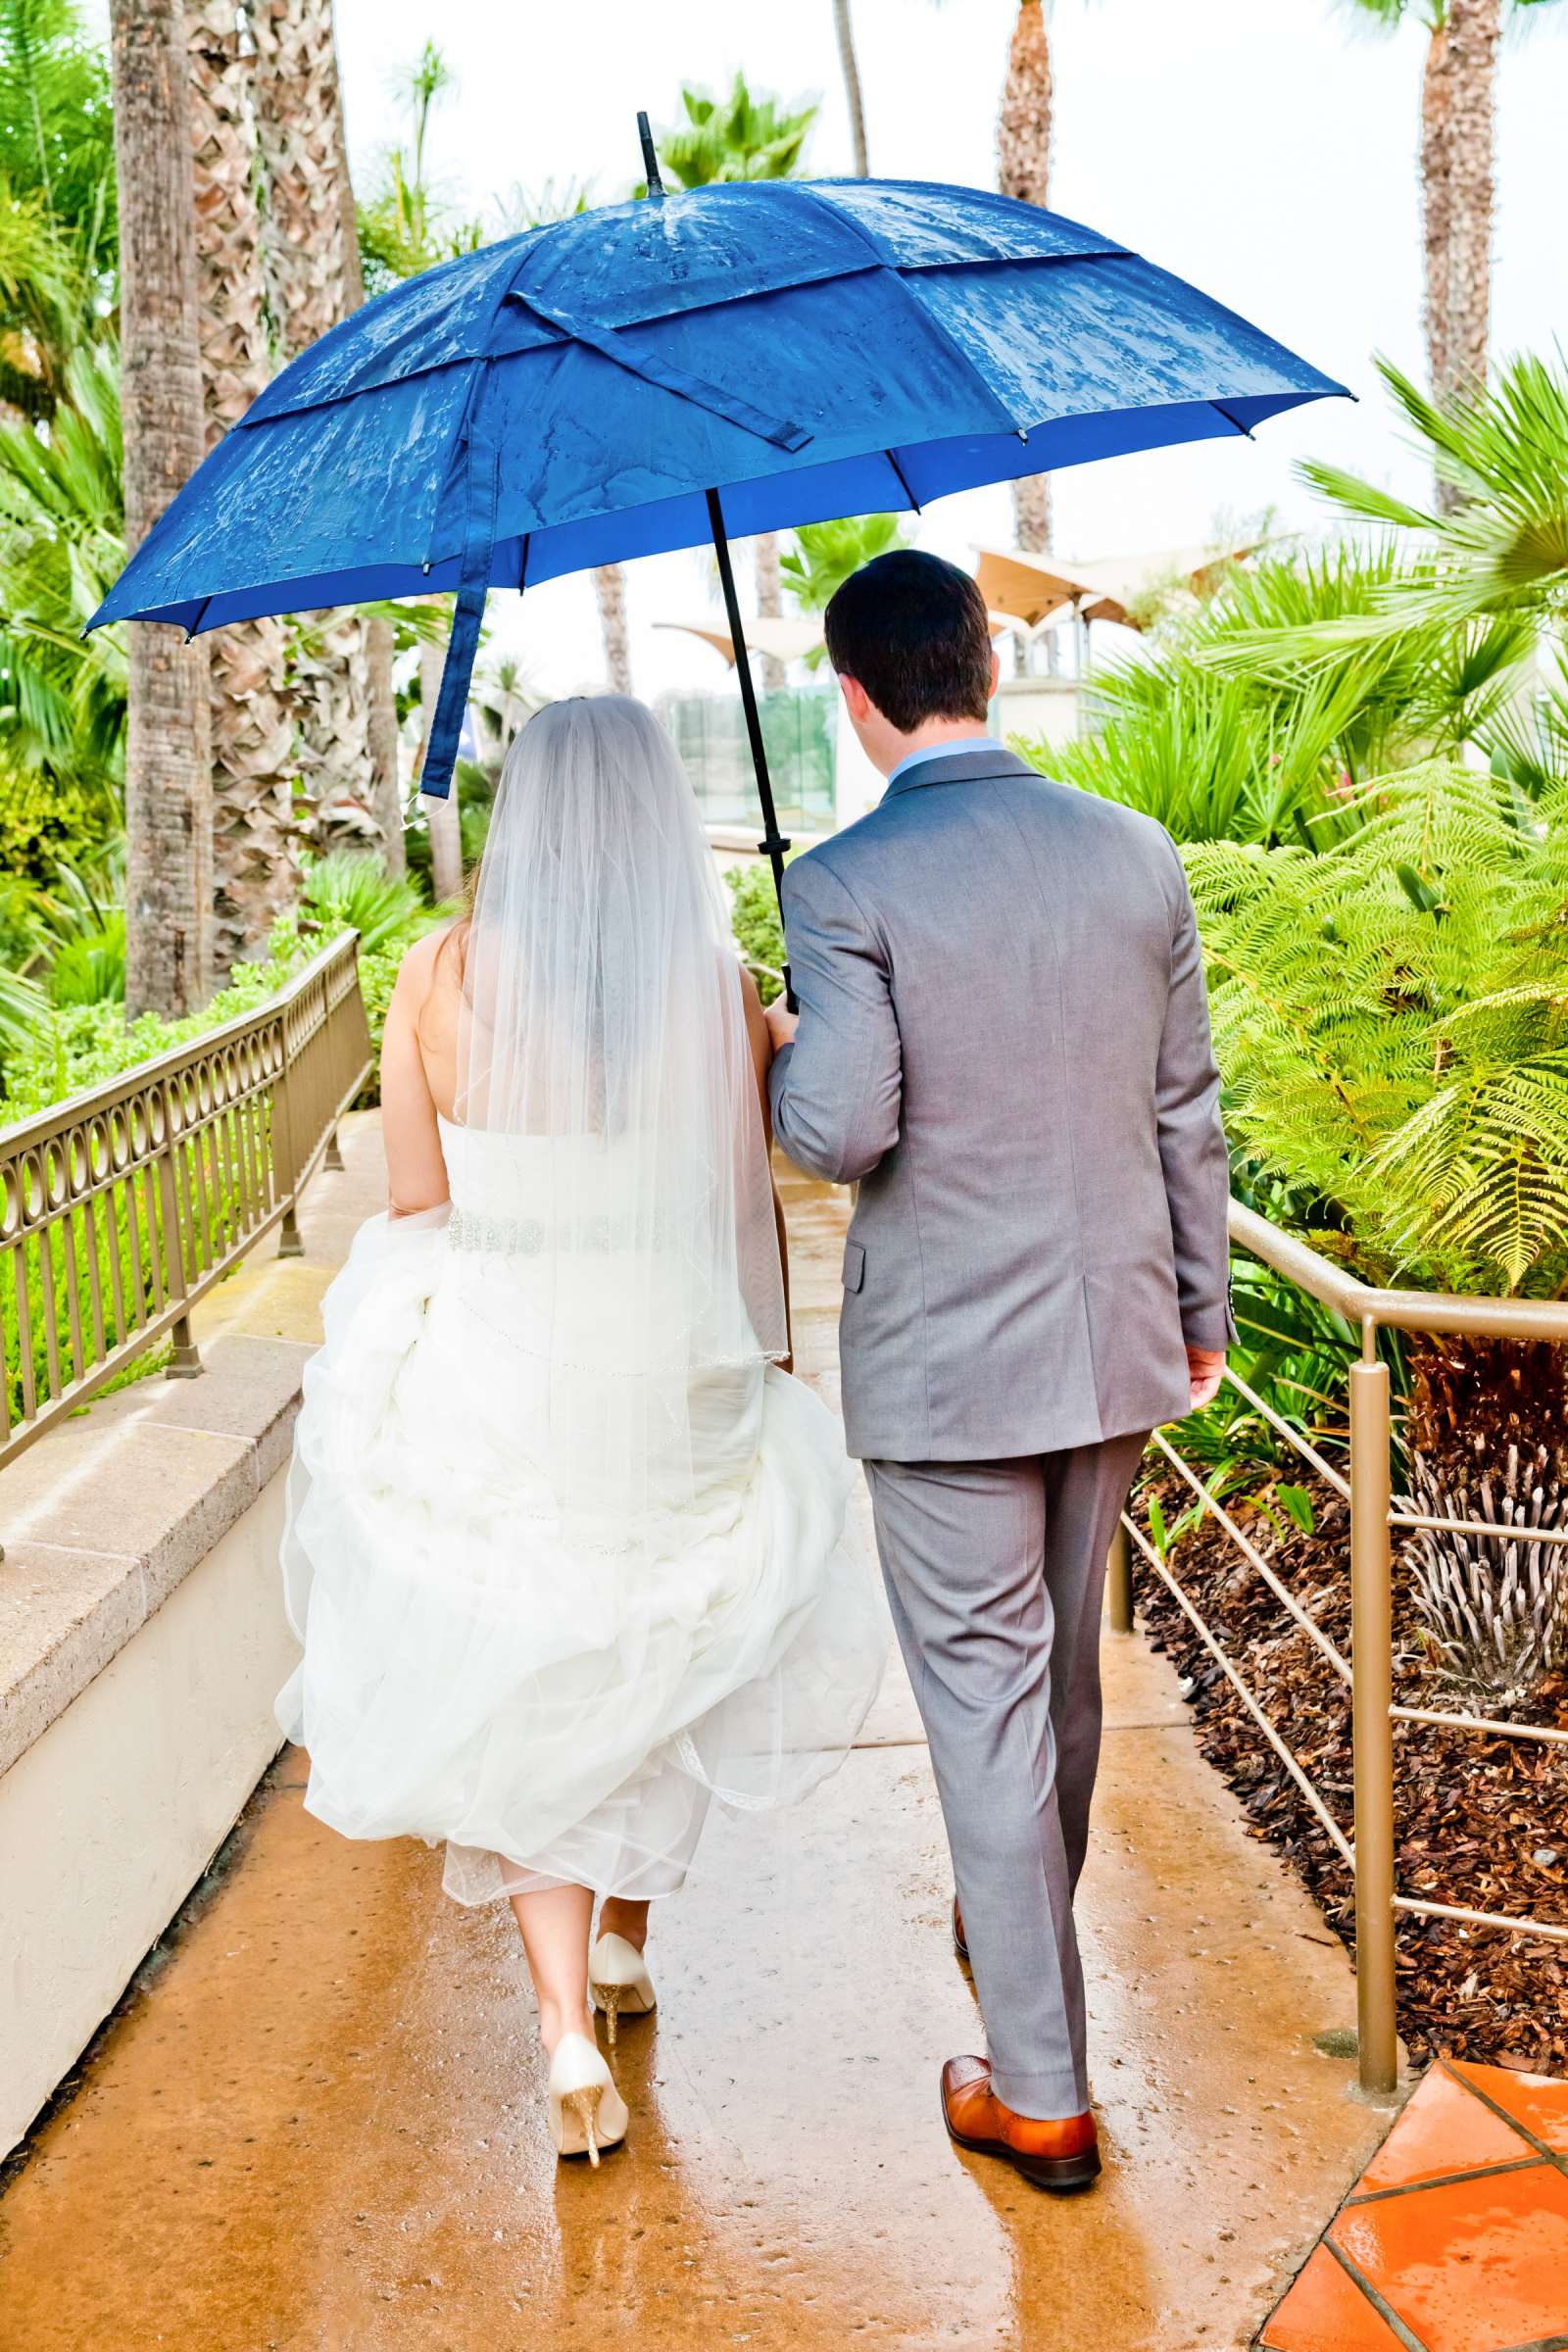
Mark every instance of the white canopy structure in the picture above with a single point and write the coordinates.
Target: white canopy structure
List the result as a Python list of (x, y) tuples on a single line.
[(787, 640), (1034, 589)]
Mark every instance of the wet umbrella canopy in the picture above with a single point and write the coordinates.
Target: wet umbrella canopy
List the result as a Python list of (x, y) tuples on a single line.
[(739, 358)]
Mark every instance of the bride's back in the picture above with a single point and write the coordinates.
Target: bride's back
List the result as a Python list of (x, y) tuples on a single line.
[(591, 1058)]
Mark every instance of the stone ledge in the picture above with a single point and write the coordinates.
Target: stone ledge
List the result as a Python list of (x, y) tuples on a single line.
[(103, 1518)]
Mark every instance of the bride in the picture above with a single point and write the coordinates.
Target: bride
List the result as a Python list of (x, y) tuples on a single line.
[(563, 1537)]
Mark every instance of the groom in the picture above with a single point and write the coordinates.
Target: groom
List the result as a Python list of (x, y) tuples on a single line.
[(1003, 1041)]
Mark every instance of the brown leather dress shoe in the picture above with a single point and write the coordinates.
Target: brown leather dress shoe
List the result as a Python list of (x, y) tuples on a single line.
[(958, 1943), (1058, 2155)]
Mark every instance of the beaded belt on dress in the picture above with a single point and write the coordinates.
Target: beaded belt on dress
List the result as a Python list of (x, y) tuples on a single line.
[(469, 1228)]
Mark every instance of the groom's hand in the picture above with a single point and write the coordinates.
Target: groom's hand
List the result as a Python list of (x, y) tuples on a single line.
[(1204, 1366), (781, 1025)]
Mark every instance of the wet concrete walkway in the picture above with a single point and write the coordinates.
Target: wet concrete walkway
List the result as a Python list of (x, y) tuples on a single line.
[(314, 2125)]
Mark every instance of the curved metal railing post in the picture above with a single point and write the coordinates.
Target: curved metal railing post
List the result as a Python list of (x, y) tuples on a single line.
[(1372, 1725)]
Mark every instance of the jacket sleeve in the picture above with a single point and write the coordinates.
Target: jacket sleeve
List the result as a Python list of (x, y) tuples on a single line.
[(837, 1090), (1191, 1141)]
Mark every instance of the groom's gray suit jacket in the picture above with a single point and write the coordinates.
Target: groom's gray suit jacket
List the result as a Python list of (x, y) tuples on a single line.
[(1004, 1040)]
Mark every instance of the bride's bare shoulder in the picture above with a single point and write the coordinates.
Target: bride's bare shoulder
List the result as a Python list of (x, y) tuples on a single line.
[(429, 967)]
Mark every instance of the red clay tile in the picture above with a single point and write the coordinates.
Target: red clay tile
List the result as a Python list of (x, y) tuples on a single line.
[(1474, 2267), (1442, 2130), (1537, 2100), (1326, 2311)]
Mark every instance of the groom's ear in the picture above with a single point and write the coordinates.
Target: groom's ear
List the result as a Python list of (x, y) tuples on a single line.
[(996, 671), (856, 701)]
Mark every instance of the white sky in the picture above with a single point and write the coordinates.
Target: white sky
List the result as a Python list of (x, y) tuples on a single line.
[(1265, 149)]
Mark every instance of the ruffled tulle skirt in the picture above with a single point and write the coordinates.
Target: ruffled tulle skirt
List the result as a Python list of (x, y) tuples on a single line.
[(473, 1672)]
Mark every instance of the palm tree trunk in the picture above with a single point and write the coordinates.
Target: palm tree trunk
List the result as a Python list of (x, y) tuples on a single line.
[(169, 829), (610, 587), (255, 870), (1475, 30), (297, 116), (770, 603), (1023, 171), (1435, 199), (386, 783), (854, 96)]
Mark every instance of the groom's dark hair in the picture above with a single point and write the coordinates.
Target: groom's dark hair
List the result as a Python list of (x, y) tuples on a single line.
[(913, 630)]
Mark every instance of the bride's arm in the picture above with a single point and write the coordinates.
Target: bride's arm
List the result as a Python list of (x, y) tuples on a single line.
[(416, 1169), (761, 1045)]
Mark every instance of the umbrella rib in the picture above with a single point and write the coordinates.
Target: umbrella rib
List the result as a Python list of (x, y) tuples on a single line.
[(650, 368), (903, 481), (1235, 422)]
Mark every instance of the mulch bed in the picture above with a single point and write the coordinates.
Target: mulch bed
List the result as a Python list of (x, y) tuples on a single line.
[(1480, 1820)]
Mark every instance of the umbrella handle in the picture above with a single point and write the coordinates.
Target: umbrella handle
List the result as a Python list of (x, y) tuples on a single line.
[(774, 846)]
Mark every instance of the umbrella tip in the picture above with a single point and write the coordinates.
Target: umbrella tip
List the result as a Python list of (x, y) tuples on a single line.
[(656, 186)]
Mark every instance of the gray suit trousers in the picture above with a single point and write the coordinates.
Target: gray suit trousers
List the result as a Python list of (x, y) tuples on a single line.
[(994, 1572)]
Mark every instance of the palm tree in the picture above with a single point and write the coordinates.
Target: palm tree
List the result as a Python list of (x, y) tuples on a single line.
[(825, 554), (386, 784), (1495, 552), (1458, 178), (298, 130), (745, 137), (854, 97), (169, 827), (254, 861), (738, 137), (1023, 171)]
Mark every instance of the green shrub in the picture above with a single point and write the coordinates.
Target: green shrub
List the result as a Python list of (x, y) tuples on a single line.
[(758, 932), (45, 818)]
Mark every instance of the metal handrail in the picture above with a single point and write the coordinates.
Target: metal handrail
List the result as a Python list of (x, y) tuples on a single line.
[(1359, 1301), (122, 1207), (1370, 1852)]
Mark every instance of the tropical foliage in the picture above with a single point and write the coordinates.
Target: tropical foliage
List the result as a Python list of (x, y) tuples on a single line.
[(822, 555), (758, 932), (61, 540), (1392, 1018), (56, 198), (740, 136), (1265, 710)]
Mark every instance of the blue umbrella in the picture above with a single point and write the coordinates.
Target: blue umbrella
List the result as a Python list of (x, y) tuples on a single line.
[(658, 374)]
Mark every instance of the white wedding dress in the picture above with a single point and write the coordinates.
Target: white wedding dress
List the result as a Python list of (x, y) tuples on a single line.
[(563, 1547)]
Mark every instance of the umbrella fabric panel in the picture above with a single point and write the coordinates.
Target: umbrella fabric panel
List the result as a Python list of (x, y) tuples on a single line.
[(925, 224), (876, 361), (859, 485), (1117, 333), (324, 497), (438, 319), (630, 262)]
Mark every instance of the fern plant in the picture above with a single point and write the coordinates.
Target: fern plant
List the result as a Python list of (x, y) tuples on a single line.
[(1392, 1021)]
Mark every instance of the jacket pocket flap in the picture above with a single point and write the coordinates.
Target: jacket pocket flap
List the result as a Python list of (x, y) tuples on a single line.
[(853, 1265)]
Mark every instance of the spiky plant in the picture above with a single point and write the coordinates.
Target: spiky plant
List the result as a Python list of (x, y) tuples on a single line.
[(1253, 721), (1392, 1019), (1495, 1608)]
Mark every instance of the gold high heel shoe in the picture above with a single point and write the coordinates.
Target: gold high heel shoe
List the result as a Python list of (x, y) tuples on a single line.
[(587, 2112), (619, 1978)]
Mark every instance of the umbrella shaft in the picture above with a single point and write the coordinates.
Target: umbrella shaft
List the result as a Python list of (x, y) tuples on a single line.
[(774, 845)]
